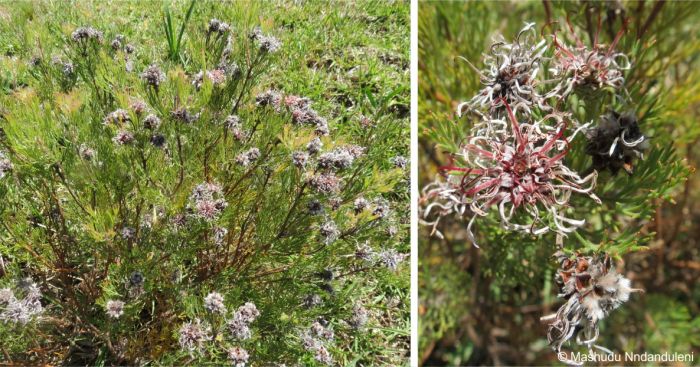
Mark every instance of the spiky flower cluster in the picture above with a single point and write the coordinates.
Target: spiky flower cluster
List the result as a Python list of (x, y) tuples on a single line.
[(580, 66), (207, 201), (114, 309), (246, 158), (238, 356), (153, 76), (6, 165), (194, 334), (511, 74), (524, 170), (20, 310), (267, 43), (239, 323), (314, 340), (214, 303), (592, 288), (85, 34)]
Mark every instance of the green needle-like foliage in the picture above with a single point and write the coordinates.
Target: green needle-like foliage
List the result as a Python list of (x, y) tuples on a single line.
[(482, 306)]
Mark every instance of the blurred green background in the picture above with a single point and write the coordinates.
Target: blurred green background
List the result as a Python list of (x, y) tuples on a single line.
[(482, 306)]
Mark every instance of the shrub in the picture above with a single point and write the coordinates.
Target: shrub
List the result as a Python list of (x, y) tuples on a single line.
[(185, 206)]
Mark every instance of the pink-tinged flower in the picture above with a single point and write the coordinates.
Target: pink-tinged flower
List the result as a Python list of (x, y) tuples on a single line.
[(325, 183), (238, 356), (214, 303), (593, 289), (510, 75), (123, 137), (153, 76), (521, 173), (193, 335), (5, 165), (114, 309), (580, 66)]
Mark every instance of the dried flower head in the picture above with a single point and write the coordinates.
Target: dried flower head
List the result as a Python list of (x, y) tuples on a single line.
[(114, 309), (360, 204), (616, 142), (158, 140), (214, 303), (6, 165), (521, 172), (364, 252), (592, 289), (128, 233), (217, 26), (123, 137), (266, 43), (219, 235), (183, 115), (315, 207)]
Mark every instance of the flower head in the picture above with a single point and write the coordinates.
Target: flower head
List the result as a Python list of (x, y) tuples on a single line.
[(114, 309), (521, 172), (117, 117), (5, 165), (214, 303), (580, 66), (329, 231), (238, 356), (84, 34), (123, 137), (193, 335), (511, 74), (325, 183), (153, 76), (151, 122), (269, 98)]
